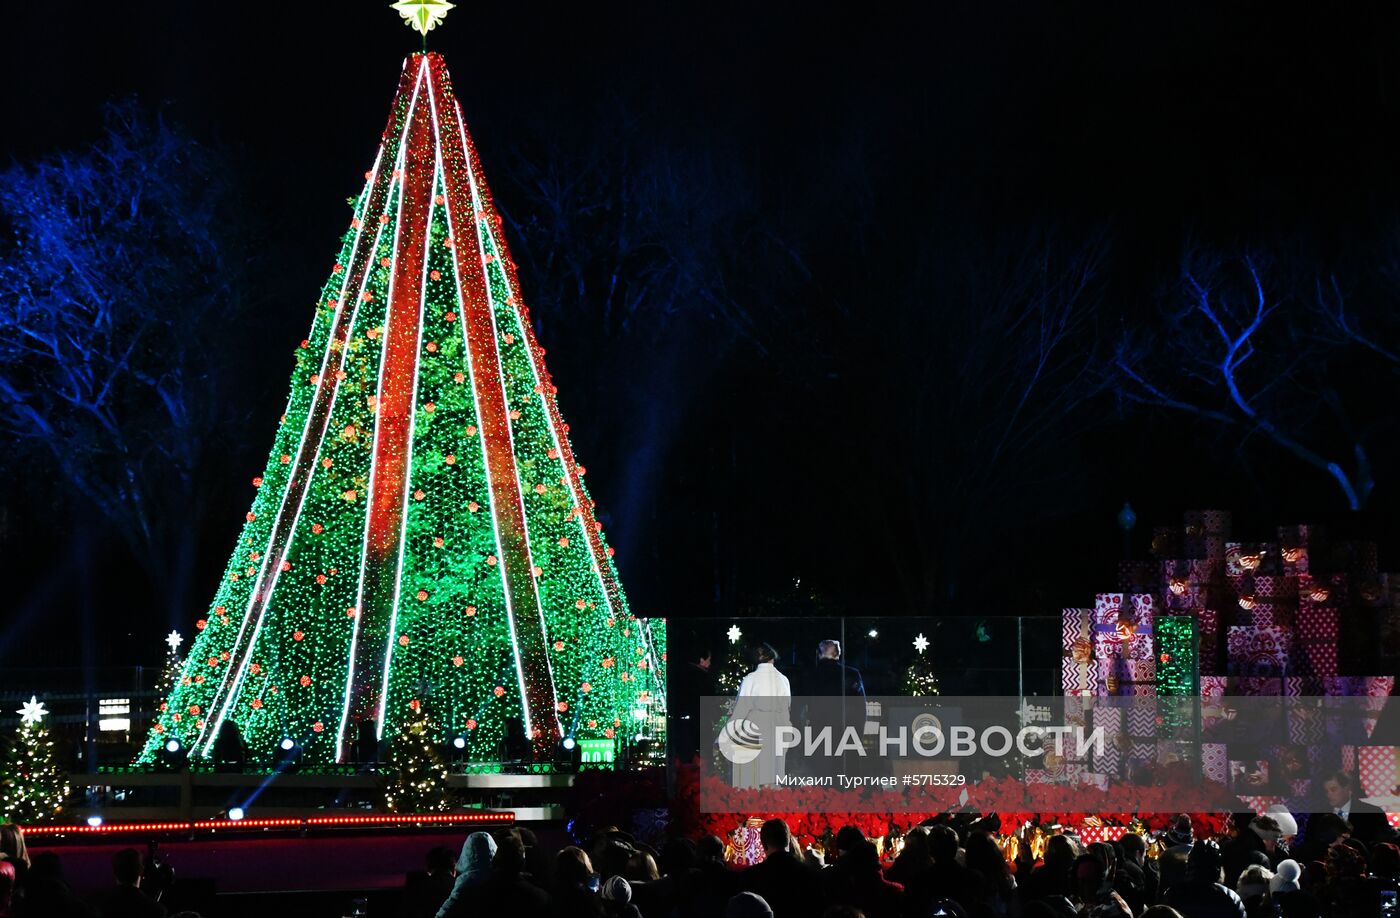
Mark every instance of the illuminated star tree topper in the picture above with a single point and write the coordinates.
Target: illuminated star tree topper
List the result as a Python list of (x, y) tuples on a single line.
[(422, 15), (32, 711)]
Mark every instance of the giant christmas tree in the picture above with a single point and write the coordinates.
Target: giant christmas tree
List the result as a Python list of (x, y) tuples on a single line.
[(421, 536)]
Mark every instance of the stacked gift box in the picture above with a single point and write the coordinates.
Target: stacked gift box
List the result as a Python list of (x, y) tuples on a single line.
[(1293, 616)]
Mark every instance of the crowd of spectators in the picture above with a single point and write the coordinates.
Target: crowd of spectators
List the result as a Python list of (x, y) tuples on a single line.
[(1262, 869)]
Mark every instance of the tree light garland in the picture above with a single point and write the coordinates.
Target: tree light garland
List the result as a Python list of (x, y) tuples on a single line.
[(421, 531)]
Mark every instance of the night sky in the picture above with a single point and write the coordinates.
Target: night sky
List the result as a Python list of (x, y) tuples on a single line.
[(1227, 124)]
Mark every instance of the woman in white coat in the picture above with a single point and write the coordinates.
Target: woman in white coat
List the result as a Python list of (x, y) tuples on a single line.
[(761, 707)]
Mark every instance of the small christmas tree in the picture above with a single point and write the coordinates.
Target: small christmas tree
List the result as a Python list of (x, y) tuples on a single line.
[(33, 786), (417, 777), (919, 679), (170, 671)]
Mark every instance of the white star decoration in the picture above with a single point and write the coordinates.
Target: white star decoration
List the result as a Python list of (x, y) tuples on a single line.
[(734, 634), (422, 15), (174, 640), (921, 643), (32, 712)]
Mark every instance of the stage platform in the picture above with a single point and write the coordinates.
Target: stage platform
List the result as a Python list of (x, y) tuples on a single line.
[(131, 795)]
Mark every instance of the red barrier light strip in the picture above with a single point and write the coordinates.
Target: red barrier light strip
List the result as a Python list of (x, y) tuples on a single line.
[(506, 818)]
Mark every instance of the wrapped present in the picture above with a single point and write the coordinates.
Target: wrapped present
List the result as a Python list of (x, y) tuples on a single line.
[(1119, 636), (1144, 606), (1301, 686), (1039, 776), (1377, 690), (1213, 687), (1377, 686), (1183, 596), (1260, 804), (1109, 677), (1075, 772), (1110, 718), (745, 847), (1076, 710), (1107, 608), (1318, 658), (1078, 678), (1318, 623), (1107, 760), (1349, 759), (1258, 651), (1142, 717), (1295, 559), (1091, 834), (1257, 687), (1215, 763), (1265, 615), (1306, 726), (1344, 686), (1074, 633), (1329, 590), (1234, 552), (1275, 587), (1141, 670), (1378, 768), (1301, 788)]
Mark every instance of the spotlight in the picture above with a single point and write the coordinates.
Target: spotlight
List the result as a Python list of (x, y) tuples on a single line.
[(459, 743), (288, 752), (94, 821), (172, 754), (873, 633), (567, 755), (235, 813)]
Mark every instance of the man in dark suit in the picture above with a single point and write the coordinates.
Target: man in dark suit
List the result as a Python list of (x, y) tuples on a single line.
[(1367, 820), (836, 694), (832, 676)]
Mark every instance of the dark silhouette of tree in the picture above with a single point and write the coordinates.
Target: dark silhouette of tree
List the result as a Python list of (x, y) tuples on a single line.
[(985, 369), (644, 249), (1272, 355), (119, 297)]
